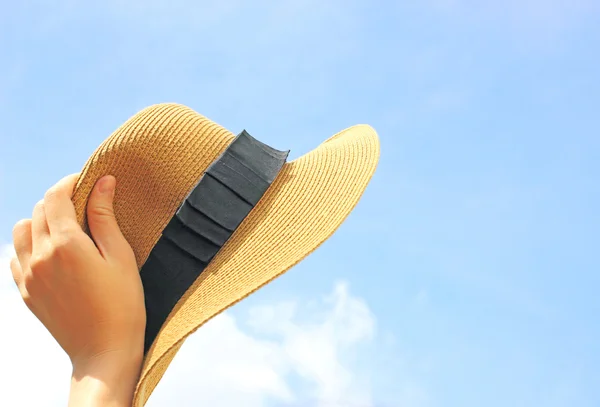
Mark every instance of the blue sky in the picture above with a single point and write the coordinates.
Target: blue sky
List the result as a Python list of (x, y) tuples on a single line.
[(467, 275)]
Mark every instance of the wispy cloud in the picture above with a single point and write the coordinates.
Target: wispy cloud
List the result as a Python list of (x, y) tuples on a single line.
[(31, 359), (284, 354), (289, 354)]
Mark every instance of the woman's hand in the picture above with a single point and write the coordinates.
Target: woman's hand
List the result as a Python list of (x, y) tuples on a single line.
[(87, 293)]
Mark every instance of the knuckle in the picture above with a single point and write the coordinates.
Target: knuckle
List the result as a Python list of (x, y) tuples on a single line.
[(21, 226), (67, 236), (51, 193), (39, 262), (27, 298), (28, 281), (100, 211), (14, 264), (38, 207), (62, 243), (32, 283), (15, 268), (70, 229)]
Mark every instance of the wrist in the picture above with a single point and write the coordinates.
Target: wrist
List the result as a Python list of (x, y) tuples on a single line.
[(105, 381)]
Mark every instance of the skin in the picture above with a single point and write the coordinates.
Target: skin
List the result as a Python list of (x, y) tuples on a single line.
[(86, 291)]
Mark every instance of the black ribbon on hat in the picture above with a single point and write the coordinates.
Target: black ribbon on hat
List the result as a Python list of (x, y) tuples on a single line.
[(228, 190)]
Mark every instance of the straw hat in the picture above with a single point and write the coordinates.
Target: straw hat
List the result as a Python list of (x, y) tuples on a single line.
[(168, 156)]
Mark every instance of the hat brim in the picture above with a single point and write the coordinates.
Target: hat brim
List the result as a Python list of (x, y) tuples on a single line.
[(159, 155)]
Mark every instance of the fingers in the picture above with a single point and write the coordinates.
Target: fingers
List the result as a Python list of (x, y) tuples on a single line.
[(32, 236), (101, 219), (39, 227), (60, 212), (23, 241)]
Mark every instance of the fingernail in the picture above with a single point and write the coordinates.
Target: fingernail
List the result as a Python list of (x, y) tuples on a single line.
[(107, 185)]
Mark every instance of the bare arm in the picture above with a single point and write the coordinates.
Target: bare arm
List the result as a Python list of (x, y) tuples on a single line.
[(106, 382)]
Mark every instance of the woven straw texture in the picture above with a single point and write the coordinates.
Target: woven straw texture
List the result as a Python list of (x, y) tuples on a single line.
[(160, 154)]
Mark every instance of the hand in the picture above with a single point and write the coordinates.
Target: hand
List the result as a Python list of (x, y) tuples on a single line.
[(88, 293)]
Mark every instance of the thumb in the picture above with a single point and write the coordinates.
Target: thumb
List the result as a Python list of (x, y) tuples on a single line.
[(101, 218)]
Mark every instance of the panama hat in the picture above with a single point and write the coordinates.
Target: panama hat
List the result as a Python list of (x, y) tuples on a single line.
[(212, 216)]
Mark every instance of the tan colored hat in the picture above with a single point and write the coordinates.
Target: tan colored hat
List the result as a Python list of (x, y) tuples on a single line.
[(185, 183)]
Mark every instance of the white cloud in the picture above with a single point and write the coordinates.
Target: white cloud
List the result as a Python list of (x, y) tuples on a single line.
[(6, 252), (6, 281), (286, 354), (222, 365), (34, 369), (288, 346)]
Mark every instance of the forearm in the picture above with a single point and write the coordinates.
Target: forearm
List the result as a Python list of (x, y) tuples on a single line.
[(105, 383)]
